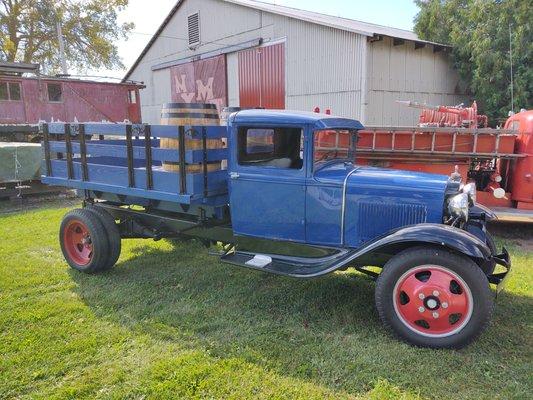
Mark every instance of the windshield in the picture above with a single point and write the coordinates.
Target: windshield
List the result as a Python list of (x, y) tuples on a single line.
[(334, 144)]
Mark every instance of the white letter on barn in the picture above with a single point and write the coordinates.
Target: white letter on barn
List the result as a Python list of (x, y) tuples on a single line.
[(181, 87), (205, 92)]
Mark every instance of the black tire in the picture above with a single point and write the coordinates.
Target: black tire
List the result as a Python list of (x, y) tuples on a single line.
[(89, 256), (112, 234), (468, 282)]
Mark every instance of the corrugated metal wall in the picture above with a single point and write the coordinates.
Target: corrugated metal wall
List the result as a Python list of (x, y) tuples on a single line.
[(325, 67), (262, 77), (404, 73)]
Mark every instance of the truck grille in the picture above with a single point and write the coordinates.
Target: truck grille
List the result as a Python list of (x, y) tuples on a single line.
[(375, 219)]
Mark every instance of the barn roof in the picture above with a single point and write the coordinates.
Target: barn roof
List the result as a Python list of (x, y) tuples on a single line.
[(346, 24)]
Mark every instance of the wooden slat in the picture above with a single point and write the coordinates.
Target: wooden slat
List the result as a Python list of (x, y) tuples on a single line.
[(129, 153), (165, 131), (83, 153), (46, 142), (148, 157), (113, 179), (95, 149), (183, 169), (68, 141)]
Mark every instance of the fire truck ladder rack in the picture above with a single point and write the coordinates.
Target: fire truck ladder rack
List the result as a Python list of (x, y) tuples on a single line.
[(403, 140)]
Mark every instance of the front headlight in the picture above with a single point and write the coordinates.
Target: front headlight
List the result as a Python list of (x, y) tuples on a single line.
[(458, 206), (470, 190)]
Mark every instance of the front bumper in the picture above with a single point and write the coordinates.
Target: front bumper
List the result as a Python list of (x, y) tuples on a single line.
[(500, 278)]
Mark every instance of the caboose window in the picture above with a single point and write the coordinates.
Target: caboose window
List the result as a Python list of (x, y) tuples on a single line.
[(14, 91), (10, 91), (132, 97), (55, 94), (4, 94)]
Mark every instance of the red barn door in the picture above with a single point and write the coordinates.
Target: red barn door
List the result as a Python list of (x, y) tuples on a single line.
[(262, 77)]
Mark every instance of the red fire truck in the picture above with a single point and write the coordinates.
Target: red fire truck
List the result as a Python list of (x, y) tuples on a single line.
[(498, 160)]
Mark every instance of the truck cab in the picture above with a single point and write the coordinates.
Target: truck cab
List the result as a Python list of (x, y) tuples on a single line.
[(293, 177)]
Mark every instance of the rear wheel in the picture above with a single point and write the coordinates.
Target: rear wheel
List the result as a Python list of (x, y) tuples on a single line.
[(112, 235), (434, 298), (83, 241)]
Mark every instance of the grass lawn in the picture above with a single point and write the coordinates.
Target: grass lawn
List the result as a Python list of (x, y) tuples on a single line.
[(169, 321)]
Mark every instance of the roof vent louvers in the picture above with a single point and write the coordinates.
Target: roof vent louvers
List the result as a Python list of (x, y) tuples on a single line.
[(193, 25)]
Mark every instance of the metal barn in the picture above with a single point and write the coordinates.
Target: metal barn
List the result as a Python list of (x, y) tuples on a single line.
[(252, 54)]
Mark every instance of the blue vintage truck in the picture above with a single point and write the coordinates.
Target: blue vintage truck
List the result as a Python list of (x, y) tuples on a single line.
[(289, 203)]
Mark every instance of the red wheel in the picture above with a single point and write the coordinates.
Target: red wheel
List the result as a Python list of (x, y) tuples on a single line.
[(78, 242), (84, 241), (434, 298), (433, 301)]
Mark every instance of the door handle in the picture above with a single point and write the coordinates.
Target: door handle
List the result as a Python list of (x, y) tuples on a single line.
[(234, 175)]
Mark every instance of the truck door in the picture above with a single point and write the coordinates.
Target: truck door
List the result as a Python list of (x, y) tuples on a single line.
[(267, 182)]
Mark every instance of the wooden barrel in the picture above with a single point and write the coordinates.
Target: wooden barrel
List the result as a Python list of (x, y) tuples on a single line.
[(197, 114)]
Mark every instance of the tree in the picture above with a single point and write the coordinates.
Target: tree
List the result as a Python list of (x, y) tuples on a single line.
[(90, 30), (478, 30)]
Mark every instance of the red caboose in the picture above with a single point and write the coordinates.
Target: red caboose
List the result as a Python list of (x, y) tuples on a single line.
[(29, 100)]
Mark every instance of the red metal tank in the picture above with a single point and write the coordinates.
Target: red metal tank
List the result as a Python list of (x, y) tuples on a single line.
[(522, 179)]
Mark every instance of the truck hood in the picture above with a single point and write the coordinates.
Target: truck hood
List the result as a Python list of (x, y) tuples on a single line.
[(378, 200), (336, 173)]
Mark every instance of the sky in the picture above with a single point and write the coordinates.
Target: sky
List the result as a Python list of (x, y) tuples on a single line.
[(395, 13)]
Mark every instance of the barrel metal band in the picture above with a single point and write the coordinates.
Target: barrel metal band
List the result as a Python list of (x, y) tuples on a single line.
[(189, 115), (198, 106)]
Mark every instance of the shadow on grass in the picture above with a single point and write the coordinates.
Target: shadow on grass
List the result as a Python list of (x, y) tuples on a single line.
[(324, 330)]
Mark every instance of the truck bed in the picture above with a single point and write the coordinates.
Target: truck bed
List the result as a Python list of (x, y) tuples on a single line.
[(130, 165)]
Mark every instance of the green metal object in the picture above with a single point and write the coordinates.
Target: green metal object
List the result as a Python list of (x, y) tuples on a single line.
[(19, 161)]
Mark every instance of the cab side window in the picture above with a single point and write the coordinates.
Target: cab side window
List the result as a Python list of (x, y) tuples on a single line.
[(275, 147)]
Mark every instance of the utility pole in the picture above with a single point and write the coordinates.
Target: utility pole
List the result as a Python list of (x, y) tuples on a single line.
[(61, 48), (511, 60)]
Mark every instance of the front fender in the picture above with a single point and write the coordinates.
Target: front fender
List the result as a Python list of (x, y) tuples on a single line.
[(454, 239), (480, 212)]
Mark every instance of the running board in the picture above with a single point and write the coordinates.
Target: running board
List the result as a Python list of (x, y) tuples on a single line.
[(297, 267), (507, 214)]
